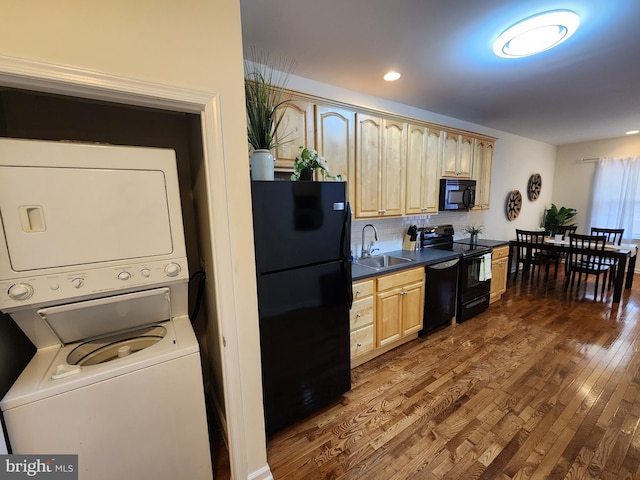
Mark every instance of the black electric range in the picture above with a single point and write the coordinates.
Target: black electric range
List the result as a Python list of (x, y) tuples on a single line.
[(441, 237)]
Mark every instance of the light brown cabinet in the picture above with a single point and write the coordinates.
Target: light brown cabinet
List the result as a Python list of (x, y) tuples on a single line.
[(424, 156), (399, 305), (499, 263), (458, 155), (483, 159), (362, 314), (296, 130), (379, 167), (335, 141)]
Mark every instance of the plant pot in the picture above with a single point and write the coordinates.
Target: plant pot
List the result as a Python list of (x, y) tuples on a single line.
[(474, 238), (306, 174), (262, 165)]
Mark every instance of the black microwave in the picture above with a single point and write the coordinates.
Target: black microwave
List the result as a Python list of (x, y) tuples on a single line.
[(457, 194)]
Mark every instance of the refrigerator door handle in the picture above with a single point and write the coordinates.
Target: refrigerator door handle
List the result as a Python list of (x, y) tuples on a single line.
[(345, 253)]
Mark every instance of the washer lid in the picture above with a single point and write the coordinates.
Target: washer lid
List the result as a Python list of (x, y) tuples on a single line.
[(78, 321)]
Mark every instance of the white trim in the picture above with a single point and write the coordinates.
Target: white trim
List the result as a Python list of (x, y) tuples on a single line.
[(77, 82)]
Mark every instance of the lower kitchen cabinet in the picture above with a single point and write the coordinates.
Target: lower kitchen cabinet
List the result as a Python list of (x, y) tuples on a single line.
[(499, 263), (362, 320), (399, 305), (387, 311)]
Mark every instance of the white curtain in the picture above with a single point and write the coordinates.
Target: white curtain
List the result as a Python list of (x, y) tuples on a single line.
[(616, 198)]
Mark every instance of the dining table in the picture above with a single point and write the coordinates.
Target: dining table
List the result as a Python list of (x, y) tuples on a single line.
[(624, 254)]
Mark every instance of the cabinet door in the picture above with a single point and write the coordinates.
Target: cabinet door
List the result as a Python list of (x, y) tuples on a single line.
[(368, 163), (392, 172), (335, 142), (412, 308), (296, 130), (431, 180), (499, 273), (465, 156), (416, 166), (388, 316), (482, 170), (458, 156)]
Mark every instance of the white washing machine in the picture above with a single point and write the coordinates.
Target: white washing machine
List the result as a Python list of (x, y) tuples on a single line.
[(93, 269)]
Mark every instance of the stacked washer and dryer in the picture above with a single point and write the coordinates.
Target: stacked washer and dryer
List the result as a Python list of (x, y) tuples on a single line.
[(93, 269)]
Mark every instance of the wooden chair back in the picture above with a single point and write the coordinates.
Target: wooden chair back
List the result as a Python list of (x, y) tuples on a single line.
[(613, 235)]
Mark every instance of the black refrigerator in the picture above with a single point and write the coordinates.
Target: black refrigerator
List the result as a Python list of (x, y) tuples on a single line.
[(302, 246)]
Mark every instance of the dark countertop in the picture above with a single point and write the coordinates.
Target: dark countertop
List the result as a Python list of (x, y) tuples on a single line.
[(424, 257), (484, 242)]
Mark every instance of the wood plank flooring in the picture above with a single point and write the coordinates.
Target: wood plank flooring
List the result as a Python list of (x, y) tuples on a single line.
[(543, 385)]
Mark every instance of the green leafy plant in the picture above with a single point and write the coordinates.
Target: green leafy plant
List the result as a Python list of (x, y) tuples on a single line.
[(264, 90), (473, 229), (558, 217), (309, 159)]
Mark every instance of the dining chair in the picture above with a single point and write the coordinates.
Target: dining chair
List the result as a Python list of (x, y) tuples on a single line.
[(585, 258), (563, 230), (613, 236), (531, 253)]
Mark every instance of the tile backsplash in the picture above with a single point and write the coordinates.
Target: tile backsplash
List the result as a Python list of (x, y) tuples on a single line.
[(391, 231)]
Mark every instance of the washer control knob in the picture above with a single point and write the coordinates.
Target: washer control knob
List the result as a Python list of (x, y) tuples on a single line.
[(172, 269), (145, 272), (124, 275), (20, 291), (77, 282)]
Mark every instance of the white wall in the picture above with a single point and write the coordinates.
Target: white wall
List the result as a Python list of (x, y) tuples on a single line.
[(515, 160), (573, 186)]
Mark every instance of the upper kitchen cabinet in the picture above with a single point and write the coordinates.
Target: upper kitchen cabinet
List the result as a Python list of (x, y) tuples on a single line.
[(424, 156), (457, 161), (379, 167), (335, 133), (296, 130), (482, 172)]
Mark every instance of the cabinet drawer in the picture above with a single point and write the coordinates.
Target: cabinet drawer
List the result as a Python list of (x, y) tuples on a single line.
[(361, 313), (361, 341), (501, 252), (401, 278), (362, 289)]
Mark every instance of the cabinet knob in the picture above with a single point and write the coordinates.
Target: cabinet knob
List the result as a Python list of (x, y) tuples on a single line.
[(382, 211), (358, 315), (358, 344), (358, 292), (403, 293)]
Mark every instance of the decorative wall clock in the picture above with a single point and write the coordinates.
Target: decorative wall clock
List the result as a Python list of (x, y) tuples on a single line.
[(514, 204), (535, 185)]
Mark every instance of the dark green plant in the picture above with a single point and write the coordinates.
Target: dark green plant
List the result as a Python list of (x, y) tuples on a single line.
[(264, 90), (558, 217)]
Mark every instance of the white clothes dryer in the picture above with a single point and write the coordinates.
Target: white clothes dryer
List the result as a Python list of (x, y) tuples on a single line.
[(93, 270)]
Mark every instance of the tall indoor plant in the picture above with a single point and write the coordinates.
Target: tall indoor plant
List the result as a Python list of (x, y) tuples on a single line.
[(264, 89)]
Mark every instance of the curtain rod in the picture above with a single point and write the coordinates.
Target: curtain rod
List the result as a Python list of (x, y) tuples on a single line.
[(589, 160)]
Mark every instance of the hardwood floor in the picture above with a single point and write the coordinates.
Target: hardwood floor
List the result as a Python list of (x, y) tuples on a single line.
[(543, 385)]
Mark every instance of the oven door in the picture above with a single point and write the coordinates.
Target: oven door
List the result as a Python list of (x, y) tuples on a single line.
[(472, 284)]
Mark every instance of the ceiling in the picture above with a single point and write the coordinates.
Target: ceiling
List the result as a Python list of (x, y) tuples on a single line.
[(584, 89)]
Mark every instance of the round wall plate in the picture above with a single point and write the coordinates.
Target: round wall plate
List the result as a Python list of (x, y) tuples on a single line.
[(535, 185), (514, 204)]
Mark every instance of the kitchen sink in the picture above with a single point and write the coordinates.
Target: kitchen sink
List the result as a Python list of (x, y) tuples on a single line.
[(382, 261)]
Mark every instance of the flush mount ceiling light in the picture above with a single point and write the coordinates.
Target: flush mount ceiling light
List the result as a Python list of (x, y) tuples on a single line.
[(536, 34), (633, 132), (391, 76)]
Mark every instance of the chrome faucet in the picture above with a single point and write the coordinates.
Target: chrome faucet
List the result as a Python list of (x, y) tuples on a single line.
[(366, 252)]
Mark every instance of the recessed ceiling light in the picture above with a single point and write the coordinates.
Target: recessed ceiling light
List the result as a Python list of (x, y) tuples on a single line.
[(391, 76), (633, 132), (536, 34)]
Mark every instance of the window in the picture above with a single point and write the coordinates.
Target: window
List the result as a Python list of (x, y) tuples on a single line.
[(616, 198)]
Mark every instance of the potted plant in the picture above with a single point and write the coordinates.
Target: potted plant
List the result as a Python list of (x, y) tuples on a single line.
[(264, 90), (473, 231), (554, 217), (307, 163)]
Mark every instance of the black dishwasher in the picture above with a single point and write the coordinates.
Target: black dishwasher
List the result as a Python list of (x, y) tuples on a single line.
[(441, 288)]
